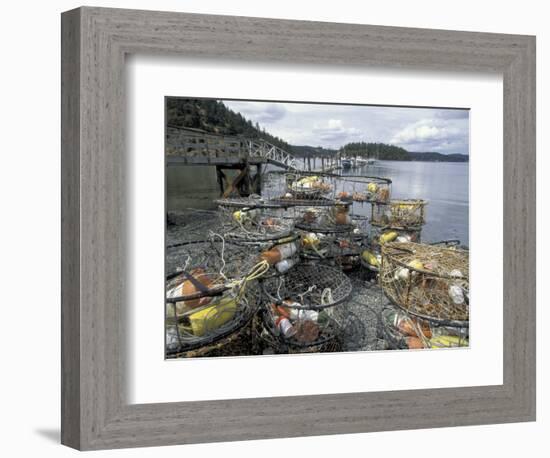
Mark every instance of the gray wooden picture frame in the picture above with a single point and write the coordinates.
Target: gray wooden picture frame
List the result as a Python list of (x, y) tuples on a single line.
[(95, 412)]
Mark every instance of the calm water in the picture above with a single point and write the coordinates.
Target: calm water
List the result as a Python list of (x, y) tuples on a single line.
[(444, 185)]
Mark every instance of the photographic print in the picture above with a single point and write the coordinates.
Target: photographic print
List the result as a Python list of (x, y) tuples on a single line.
[(311, 228)]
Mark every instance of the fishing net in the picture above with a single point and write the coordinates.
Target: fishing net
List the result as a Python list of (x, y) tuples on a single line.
[(427, 281), (405, 213), (361, 189)]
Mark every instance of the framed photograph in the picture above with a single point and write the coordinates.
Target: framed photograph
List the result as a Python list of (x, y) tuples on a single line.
[(288, 228)]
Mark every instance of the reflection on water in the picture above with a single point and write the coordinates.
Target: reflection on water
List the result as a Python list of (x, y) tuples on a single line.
[(445, 185)]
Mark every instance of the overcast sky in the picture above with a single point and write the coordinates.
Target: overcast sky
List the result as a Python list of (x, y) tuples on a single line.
[(415, 129)]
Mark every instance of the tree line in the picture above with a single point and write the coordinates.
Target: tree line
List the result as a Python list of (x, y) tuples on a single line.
[(214, 117)]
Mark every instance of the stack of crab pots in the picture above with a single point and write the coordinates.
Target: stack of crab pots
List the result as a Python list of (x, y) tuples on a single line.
[(394, 220)]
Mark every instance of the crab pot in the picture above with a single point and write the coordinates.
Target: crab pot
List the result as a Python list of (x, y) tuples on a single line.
[(307, 185), (333, 219), (242, 342), (402, 331), (361, 189), (288, 329), (342, 250), (200, 317), (299, 310), (216, 257), (399, 213), (332, 235), (371, 257), (380, 235), (253, 226), (429, 282)]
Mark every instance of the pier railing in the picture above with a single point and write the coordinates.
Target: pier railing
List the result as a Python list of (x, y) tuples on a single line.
[(190, 145), (271, 153)]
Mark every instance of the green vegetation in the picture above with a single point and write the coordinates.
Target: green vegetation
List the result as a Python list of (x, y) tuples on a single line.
[(312, 151), (380, 151), (438, 157), (214, 117), (386, 152)]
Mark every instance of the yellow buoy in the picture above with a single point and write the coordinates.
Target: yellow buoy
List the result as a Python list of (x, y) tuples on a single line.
[(238, 215), (213, 317), (370, 258), (416, 264), (372, 187), (310, 240), (448, 341), (388, 237)]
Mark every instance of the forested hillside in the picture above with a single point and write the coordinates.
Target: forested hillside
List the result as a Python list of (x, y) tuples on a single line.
[(380, 151), (213, 116)]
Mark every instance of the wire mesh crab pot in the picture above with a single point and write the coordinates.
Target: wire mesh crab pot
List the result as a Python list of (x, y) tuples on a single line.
[(363, 189), (402, 331), (429, 282), (316, 247), (334, 219), (201, 318), (450, 243), (211, 291), (215, 256), (253, 226), (241, 342), (371, 258), (325, 239), (407, 213), (379, 235), (299, 308), (308, 185)]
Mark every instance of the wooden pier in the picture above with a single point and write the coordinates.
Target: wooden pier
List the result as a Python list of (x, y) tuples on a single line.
[(186, 146)]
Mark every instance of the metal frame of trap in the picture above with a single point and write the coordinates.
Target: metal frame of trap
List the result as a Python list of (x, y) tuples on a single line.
[(359, 184), (309, 273), (449, 322), (243, 314)]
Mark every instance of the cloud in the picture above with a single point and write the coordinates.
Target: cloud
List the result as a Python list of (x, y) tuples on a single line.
[(453, 114), (332, 126), (440, 134), (335, 133), (425, 129)]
